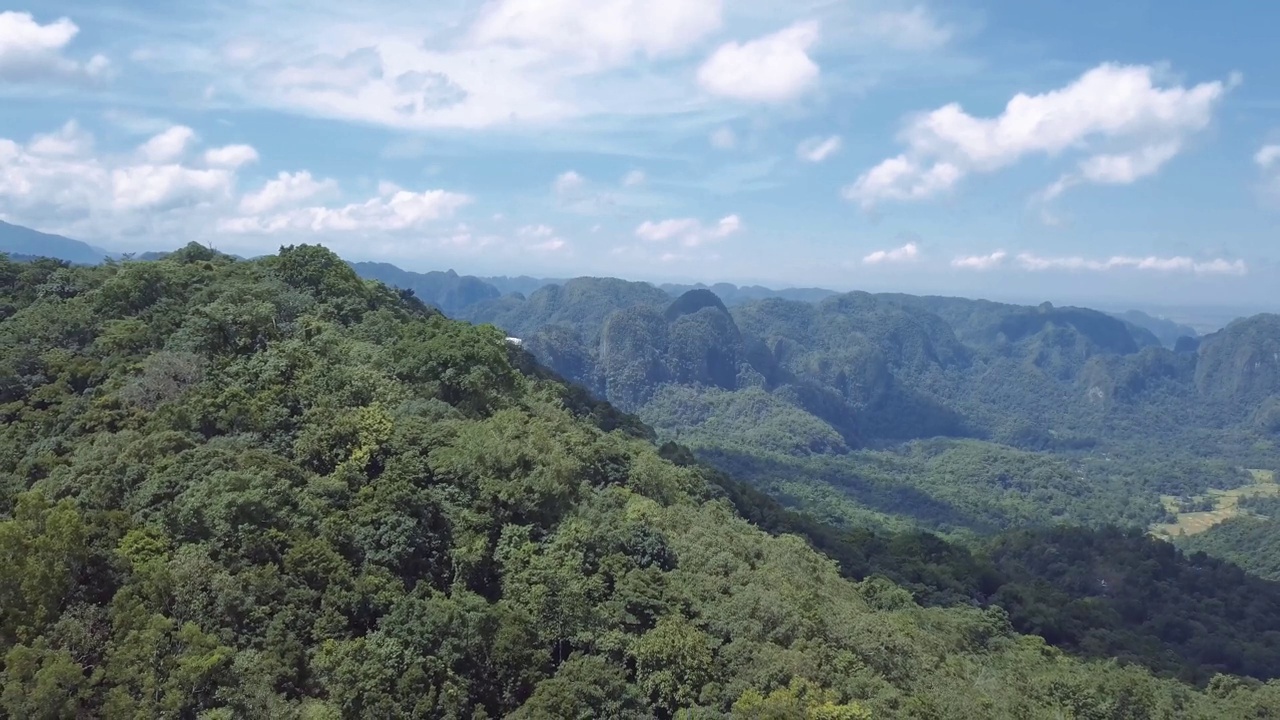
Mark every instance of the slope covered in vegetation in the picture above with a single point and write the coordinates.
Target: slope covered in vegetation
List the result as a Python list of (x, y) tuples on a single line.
[(270, 489)]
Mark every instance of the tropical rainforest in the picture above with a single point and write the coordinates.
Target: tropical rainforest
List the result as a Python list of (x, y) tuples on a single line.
[(273, 489)]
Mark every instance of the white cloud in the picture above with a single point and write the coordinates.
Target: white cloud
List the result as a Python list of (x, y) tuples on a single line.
[(901, 178), (231, 156), (393, 209), (1268, 155), (536, 231), (980, 262), (1125, 168), (1268, 161), (1140, 125), (69, 140), (30, 51), (56, 179), (57, 182), (169, 145), (541, 238), (1217, 266), (817, 149), (772, 69), (907, 253), (689, 232), (724, 138), (568, 182), (580, 195), (602, 32), (914, 29), (287, 189), (590, 66), (447, 65), (158, 186)]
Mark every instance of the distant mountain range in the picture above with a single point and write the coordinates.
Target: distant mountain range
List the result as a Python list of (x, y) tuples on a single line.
[(857, 367), (460, 295)]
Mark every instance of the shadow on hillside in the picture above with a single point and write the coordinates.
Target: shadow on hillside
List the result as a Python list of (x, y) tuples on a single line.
[(759, 469)]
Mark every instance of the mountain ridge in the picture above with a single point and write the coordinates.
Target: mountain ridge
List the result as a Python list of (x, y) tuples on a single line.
[(19, 240)]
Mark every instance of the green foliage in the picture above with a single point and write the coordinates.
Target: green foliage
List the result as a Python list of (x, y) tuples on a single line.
[(269, 489)]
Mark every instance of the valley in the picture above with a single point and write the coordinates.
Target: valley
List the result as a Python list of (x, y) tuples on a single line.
[(1222, 505)]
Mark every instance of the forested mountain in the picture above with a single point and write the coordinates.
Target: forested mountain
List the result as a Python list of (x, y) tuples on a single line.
[(813, 400), (270, 489)]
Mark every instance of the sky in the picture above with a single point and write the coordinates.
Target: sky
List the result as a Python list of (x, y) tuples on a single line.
[(1087, 150)]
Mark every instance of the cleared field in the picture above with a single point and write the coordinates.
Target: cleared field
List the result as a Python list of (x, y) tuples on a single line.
[(1226, 505)]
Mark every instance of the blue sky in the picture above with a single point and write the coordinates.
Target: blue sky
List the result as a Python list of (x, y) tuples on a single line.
[(1087, 150)]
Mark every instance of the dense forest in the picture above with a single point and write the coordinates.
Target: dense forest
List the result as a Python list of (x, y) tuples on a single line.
[(271, 489), (964, 417)]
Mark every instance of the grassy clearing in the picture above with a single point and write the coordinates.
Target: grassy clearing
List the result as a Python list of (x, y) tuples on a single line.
[(1226, 505)]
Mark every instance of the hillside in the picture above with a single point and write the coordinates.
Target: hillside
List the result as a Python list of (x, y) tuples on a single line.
[(18, 240), (269, 489)]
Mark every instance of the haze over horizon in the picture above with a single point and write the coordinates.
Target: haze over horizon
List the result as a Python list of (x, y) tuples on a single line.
[(1087, 153)]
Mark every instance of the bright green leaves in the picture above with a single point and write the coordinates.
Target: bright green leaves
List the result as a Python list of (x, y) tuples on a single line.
[(464, 365), (673, 662), (43, 551), (800, 700)]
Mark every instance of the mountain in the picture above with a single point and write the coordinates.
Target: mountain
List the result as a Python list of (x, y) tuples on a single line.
[(837, 406), (1165, 330), (271, 489), (18, 240), (734, 295), (447, 291), (522, 284)]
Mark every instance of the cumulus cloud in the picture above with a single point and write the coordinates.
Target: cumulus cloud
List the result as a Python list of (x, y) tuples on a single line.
[(145, 186), (907, 253), (1216, 266), (1126, 125), (169, 145), (902, 178), (635, 178), (980, 262), (773, 69), (393, 209), (689, 232), (56, 178), (818, 149), (231, 156), (286, 189), (31, 51), (57, 181), (69, 140)]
